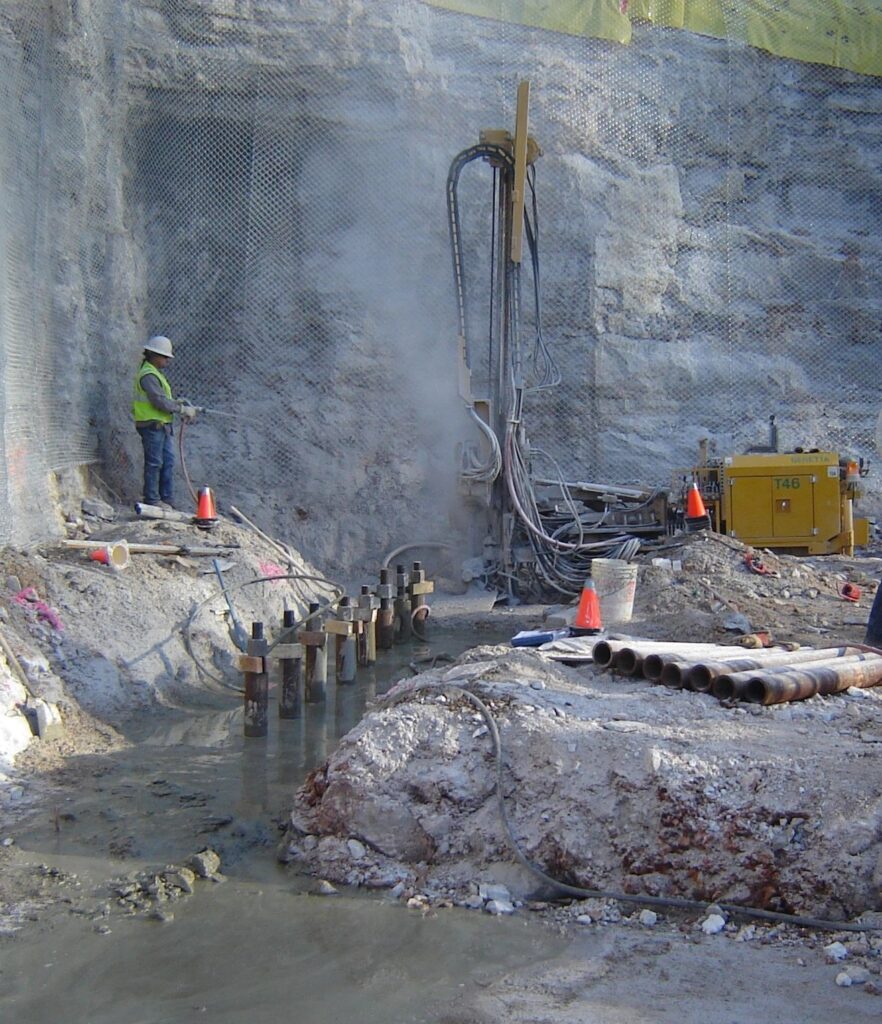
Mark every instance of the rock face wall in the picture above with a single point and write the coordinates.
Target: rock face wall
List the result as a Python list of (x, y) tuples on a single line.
[(266, 184)]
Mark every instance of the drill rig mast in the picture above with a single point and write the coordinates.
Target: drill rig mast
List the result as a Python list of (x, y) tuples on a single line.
[(541, 535)]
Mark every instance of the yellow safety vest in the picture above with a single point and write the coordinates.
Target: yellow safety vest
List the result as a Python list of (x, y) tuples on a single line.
[(142, 407)]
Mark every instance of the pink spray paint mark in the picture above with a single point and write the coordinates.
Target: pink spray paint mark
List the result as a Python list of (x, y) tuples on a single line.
[(29, 599)]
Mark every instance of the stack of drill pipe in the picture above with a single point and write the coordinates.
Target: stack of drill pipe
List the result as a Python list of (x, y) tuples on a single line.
[(628, 656), (689, 673), (779, 685), (702, 675)]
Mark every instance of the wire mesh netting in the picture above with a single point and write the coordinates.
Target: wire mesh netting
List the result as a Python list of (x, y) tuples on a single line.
[(266, 185)]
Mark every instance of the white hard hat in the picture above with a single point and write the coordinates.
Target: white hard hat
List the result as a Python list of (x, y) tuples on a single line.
[(160, 345)]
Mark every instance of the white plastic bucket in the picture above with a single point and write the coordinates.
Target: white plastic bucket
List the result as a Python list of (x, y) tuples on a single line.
[(616, 583)]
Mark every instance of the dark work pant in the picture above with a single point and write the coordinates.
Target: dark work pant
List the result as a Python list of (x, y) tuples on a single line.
[(874, 623), (159, 464)]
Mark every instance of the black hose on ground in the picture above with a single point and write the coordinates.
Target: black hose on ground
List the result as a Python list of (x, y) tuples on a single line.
[(583, 893)]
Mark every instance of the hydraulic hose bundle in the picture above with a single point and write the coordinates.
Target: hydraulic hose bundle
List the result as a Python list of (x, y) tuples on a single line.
[(563, 538)]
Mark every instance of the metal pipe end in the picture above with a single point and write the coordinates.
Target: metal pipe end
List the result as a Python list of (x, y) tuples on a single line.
[(723, 688), (602, 654), (652, 667), (755, 692), (625, 661), (699, 678), (672, 675)]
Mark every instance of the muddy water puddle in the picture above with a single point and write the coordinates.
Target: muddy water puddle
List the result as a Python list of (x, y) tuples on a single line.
[(263, 952), (260, 944)]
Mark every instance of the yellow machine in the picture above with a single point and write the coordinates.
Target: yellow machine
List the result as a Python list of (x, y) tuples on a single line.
[(801, 500)]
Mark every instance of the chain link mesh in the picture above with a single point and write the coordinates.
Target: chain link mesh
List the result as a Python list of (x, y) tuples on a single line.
[(265, 184)]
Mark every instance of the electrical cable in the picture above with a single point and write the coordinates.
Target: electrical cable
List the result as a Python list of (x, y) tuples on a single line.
[(582, 892), (488, 471), (497, 155)]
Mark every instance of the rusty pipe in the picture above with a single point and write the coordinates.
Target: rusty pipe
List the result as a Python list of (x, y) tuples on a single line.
[(673, 672), (676, 669), (654, 665), (733, 685), (604, 651), (703, 673), (780, 685)]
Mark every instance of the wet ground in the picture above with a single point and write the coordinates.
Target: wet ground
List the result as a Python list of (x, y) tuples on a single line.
[(261, 946), (263, 951), (258, 944)]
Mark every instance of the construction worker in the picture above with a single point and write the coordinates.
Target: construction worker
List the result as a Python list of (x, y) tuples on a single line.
[(153, 409)]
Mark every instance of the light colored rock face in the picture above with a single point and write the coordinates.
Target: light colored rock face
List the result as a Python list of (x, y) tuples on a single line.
[(266, 183), (610, 784)]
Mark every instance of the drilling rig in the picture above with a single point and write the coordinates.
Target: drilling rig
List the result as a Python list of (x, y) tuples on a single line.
[(542, 531)]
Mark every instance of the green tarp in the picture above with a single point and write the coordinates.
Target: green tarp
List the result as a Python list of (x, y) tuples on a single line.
[(840, 33)]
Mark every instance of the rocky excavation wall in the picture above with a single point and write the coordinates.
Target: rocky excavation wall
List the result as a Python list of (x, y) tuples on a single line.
[(266, 184)]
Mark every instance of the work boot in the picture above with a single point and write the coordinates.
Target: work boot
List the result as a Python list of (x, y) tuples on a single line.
[(168, 506)]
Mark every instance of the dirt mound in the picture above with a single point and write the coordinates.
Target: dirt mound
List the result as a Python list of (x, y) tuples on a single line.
[(613, 784), (608, 783)]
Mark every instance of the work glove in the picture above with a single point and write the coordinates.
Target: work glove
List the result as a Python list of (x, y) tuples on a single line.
[(188, 412)]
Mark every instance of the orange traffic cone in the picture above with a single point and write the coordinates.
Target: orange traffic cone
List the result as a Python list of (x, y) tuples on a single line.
[(116, 555), (696, 514), (694, 503), (206, 514), (587, 618)]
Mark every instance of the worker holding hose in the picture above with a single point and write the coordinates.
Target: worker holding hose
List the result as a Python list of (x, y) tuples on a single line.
[(153, 409)]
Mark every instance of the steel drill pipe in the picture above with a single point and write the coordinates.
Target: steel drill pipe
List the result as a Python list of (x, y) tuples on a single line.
[(655, 662), (672, 672), (782, 685), (677, 670), (732, 685), (604, 651), (627, 662), (702, 674)]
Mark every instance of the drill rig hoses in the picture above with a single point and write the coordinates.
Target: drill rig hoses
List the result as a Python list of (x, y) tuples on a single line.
[(579, 891), (183, 462), (410, 547), (484, 472), (549, 376), (521, 493), (483, 151), (561, 565)]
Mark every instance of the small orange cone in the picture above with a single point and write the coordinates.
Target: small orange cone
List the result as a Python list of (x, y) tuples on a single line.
[(694, 504), (696, 514), (587, 618), (206, 514), (101, 555)]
